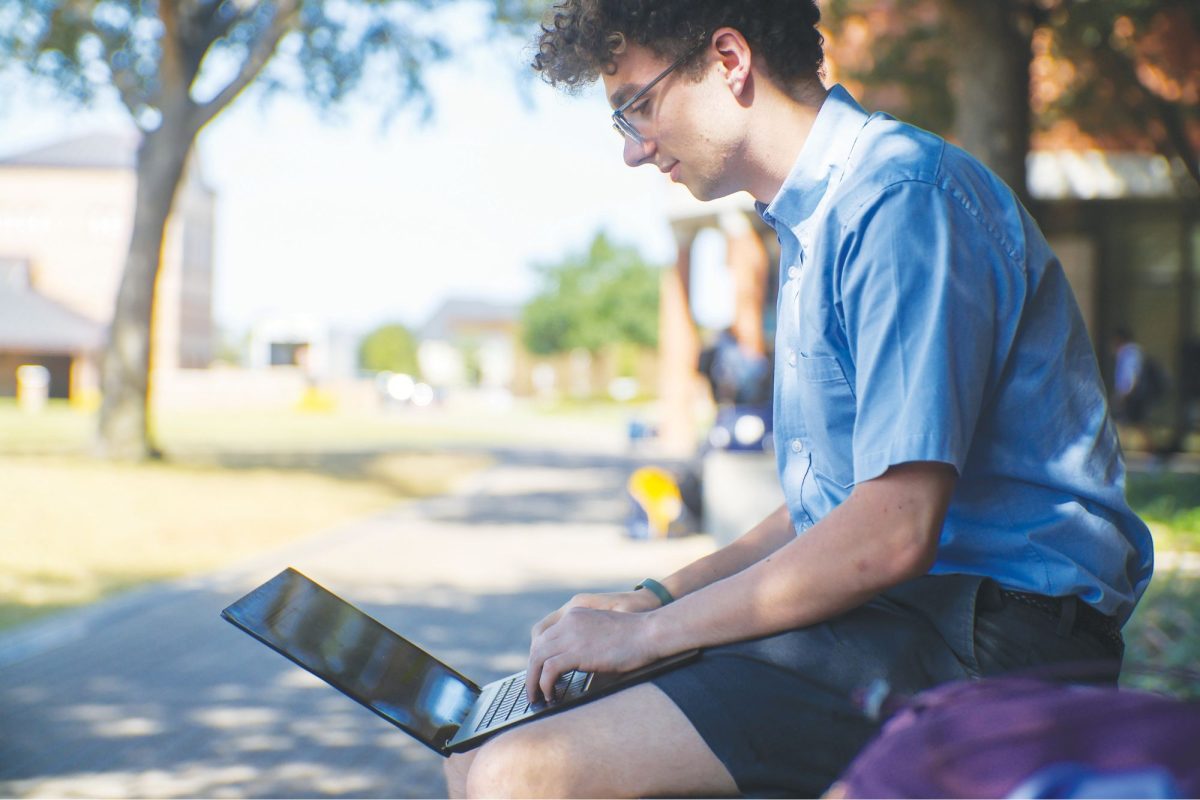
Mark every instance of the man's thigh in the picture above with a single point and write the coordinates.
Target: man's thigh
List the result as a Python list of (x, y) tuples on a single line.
[(784, 713), (632, 743)]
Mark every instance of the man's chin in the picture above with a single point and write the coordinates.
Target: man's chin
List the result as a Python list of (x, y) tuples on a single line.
[(704, 193)]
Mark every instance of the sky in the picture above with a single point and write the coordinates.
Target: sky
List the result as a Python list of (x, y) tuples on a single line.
[(353, 224)]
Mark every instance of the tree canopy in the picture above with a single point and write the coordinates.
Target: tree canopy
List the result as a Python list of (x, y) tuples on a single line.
[(1116, 74), (603, 296), (389, 348), (191, 58)]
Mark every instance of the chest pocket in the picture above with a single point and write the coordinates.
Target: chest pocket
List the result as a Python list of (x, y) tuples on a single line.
[(829, 409)]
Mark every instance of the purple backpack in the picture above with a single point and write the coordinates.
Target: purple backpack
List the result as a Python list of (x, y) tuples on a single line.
[(1028, 737)]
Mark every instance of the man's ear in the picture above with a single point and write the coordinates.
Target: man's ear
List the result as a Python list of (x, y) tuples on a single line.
[(734, 58)]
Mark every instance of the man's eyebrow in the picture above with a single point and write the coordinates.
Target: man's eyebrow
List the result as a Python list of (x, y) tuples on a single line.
[(623, 93)]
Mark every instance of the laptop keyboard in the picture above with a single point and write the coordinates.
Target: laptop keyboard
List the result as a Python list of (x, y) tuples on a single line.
[(510, 701)]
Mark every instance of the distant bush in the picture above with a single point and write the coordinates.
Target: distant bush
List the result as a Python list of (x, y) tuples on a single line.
[(389, 348), (1172, 499)]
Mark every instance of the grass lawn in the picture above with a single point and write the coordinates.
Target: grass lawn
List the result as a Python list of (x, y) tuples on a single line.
[(1162, 640), (235, 483), (62, 429), (1170, 502), (76, 529), (601, 424), (83, 529)]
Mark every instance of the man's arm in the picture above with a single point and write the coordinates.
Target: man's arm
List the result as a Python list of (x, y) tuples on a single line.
[(764, 538), (885, 533)]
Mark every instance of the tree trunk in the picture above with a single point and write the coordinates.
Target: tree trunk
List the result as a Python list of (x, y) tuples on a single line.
[(993, 48), (124, 429)]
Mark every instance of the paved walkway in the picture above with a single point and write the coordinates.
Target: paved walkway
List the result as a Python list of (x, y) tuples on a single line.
[(152, 695)]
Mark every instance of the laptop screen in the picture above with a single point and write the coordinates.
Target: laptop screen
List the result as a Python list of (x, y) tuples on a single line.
[(357, 655)]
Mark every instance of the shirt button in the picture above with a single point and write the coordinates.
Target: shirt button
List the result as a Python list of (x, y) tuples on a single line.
[(791, 358), (797, 446), (793, 272)]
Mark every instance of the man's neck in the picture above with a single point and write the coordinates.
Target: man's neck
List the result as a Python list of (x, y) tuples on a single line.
[(776, 138)]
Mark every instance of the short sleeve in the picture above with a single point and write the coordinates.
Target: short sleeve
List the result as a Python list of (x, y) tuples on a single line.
[(919, 284)]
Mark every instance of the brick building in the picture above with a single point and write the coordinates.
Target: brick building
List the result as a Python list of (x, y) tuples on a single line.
[(66, 213)]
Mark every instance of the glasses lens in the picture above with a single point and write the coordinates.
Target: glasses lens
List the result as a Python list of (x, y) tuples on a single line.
[(622, 126)]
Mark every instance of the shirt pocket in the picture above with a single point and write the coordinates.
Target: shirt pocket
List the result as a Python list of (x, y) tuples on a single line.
[(829, 408)]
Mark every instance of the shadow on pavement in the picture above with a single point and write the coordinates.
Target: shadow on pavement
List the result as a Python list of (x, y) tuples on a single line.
[(200, 709)]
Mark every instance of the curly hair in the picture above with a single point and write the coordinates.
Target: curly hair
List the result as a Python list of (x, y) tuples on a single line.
[(580, 38)]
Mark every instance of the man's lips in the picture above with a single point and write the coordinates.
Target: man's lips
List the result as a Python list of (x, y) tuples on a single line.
[(672, 170)]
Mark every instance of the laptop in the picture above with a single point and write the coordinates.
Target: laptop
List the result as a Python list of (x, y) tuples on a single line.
[(368, 662)]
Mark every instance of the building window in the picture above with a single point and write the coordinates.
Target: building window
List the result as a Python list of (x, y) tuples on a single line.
[(288, 354)]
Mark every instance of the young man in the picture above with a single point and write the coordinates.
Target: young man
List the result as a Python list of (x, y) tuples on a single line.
[(955, 503)]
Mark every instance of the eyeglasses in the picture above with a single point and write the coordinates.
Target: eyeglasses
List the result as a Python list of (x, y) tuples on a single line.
[(624, 126)]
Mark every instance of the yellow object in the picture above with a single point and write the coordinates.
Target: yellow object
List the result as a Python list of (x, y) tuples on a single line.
[(315, 400), (85, 399), (656, 492)]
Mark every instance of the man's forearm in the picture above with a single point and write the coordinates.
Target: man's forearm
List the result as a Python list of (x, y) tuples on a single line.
[(886, 532), (751, 547)]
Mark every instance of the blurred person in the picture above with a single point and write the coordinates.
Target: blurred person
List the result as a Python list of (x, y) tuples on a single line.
[(735, 374), (954, 488), (1137, 386)]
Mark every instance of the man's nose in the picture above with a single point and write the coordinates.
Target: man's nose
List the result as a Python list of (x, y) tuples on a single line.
[(637, 153)]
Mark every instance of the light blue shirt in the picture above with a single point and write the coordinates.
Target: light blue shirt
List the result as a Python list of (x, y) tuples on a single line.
[(923, 317), (1128, 368)]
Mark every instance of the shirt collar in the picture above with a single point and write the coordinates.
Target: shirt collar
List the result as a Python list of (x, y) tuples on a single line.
[(823, 155)]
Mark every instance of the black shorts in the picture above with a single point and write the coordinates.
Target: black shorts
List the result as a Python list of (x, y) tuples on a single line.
[(785, 714)]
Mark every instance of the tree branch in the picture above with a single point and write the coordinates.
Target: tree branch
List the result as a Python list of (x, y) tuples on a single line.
[(125, 87), (264, 48), (1177, 142), (1177, 136), (171, 64), (113, 43), (209, 25)]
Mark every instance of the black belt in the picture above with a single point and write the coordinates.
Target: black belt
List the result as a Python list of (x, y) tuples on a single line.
[(1071, 613)]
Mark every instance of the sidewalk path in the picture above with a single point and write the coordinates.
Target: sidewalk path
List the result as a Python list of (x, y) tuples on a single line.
[(152, 695)]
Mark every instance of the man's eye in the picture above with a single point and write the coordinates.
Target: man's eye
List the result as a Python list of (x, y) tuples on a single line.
[(641, 108)]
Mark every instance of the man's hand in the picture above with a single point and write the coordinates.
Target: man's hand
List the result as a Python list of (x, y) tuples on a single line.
[(591, 639), (640, 600)]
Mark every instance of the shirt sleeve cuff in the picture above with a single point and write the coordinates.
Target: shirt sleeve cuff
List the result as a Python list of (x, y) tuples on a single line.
[(922, 447)]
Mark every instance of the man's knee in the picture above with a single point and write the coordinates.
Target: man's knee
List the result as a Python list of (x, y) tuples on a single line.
[(523, 763), (456, 768), (632, 743)]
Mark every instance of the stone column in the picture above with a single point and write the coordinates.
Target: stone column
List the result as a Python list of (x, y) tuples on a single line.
[(679, 350), (747, 259)]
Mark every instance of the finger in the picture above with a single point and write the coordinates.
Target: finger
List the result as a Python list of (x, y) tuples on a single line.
[(587, 601), (533, 674), (552, 669), (546, 622)]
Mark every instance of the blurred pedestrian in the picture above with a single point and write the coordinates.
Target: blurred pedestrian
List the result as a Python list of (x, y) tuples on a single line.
[(736, 376), (1138, 386)]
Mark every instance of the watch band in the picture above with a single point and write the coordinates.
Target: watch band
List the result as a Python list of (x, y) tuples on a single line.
[(657, 589)]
